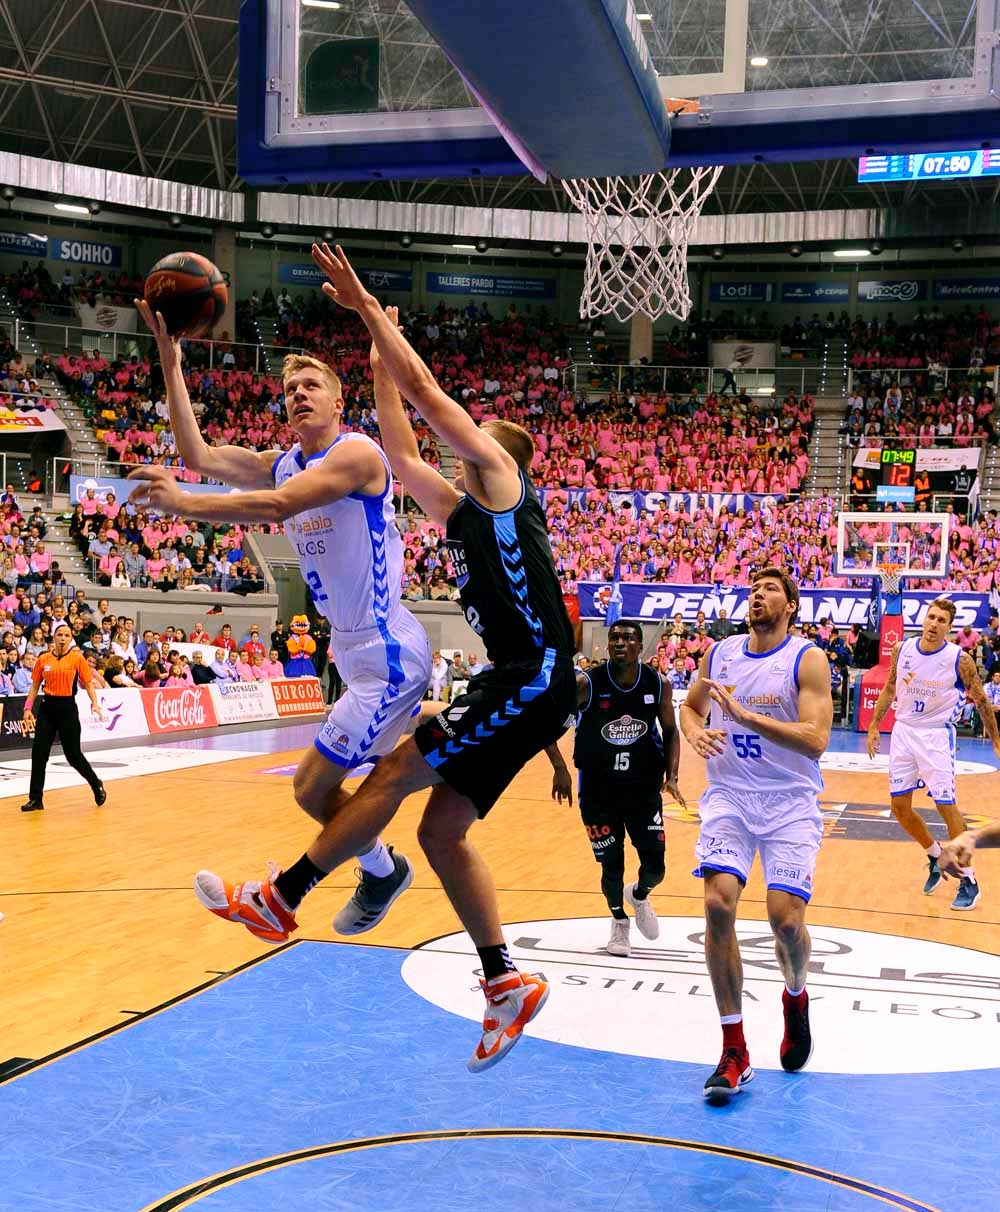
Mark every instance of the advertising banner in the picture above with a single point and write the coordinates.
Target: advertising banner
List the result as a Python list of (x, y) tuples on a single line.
[(28, 423), (21, 244), (967, 288), (672, 502), (490, 284), (238, 702), (843, 607), (88, 252), (307, 274), (815, 292), (893, 290), (13, 733), (297, 696), (107, 318), (178, 709), (124, 716), (929, 459), (78, 486), (750, 355), (741, 292)]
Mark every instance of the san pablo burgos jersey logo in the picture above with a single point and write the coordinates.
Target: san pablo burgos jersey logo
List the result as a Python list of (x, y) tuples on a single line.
[(624, 731), (457, 552)]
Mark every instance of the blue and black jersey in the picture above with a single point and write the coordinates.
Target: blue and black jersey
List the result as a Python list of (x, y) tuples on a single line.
[(507, 580)]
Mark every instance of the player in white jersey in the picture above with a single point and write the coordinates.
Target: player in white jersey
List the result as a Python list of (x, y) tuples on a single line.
[(927, 681), (768, 696), (333, 492)]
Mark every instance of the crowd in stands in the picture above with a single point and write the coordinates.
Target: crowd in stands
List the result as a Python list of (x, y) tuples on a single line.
[(121, 656)]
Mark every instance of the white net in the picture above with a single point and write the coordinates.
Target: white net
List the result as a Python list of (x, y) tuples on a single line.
[(638, 230), (890, 577)]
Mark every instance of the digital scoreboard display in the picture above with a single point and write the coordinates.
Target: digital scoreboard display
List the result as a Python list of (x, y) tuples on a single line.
[(930, 166), (898, 465)]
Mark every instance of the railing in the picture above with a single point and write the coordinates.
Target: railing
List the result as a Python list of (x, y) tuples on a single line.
[(936, 379), (14, 467), (114, 345), (216, 582), (756, 381)]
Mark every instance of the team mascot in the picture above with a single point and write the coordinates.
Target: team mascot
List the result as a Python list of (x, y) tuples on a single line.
[(301, 647)]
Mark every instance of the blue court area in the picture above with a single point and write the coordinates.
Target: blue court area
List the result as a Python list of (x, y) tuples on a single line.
[(317, 1079)]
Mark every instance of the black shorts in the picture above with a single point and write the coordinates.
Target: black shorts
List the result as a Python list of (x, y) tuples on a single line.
[(609, 813), (508, 714)]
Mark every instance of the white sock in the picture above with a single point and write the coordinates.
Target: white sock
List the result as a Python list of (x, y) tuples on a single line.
[(934, 850), (727, 1019), (377, 860), (968, 873)]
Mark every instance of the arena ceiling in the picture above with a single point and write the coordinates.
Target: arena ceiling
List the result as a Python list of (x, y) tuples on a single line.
[(149, 86)]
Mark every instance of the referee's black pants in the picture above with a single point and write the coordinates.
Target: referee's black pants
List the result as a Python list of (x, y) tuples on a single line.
[(57, 718)]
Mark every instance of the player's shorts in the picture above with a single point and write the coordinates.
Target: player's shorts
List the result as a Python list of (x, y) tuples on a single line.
[(386, 673), (785, 829), (609, 813), (509, 713), (923, 757)]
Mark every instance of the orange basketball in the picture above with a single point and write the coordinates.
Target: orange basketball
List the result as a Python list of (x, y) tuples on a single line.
[(188, 291)]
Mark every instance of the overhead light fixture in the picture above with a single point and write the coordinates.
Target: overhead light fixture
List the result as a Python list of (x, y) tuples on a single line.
[(852, 252), (644, 16), (758, 61), (332, 4), (71, 208), (35, 236), (465, 247)]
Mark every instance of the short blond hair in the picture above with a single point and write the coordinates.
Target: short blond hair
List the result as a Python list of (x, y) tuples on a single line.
[(293, 363), (515, 439)]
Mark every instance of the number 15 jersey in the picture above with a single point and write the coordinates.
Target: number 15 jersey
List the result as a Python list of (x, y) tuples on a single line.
[(768, 683)]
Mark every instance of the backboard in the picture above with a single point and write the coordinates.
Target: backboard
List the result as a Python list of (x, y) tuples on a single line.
[(917, 542), (356, 89)]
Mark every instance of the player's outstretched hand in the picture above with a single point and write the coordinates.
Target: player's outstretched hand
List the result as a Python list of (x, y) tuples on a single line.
[(707, 742), (344, 286), (168, 346), (157, 489), (562, 786), (957, 853), (874, 742)]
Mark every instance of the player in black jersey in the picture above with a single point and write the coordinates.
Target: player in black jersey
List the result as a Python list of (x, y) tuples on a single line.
[(512, 599), (627, 748)]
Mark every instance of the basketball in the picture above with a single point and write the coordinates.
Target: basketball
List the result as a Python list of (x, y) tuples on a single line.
[(188, 291)]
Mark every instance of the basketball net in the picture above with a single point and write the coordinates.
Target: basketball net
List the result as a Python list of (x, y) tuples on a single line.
[(638, 229), (889, 574)]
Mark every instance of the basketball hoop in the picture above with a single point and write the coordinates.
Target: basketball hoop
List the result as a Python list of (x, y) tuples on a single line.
[(889, 574)]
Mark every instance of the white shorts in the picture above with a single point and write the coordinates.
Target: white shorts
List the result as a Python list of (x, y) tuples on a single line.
[(785, 829), (386, 673), (923, 758)]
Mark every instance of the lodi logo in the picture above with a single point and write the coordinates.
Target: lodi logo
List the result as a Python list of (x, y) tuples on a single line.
[(624, 731), (879, 1003), (178, 708)]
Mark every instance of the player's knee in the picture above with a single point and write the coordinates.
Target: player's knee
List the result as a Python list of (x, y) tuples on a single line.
[(786, 927), (440, 835), (652, 867), (720, 908)]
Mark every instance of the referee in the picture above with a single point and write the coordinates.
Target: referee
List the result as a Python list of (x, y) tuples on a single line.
[(56, 673)]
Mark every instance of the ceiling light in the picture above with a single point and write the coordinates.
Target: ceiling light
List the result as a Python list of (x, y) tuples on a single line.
[(71, 208), (35, 236), (644, 16), (758, 61), (852, 252), (465, 247), (334, 4)]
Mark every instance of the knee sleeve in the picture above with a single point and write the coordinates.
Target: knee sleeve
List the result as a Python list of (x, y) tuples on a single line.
[(652, 866)]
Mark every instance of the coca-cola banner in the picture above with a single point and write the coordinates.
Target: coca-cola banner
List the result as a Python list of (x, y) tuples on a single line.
[(297, 696), (178, 709), (239, 702)]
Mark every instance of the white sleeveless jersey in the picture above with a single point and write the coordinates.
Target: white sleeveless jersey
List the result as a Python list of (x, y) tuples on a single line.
[(350, 551), (929, 691), (768, 684)]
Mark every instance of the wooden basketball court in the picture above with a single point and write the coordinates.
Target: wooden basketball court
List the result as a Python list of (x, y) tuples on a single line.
[(101, 922)]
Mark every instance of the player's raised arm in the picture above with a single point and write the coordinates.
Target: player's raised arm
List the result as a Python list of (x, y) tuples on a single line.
[(969, 675), (706, 742), (350, 467), (230, 464), (432, 492), (885, 700), (810, 734), (474, 446)]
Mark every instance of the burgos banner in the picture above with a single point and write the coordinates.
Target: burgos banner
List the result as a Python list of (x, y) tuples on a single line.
[(843, 607)]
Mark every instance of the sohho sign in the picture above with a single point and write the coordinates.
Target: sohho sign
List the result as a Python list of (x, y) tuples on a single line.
[(179, 709)]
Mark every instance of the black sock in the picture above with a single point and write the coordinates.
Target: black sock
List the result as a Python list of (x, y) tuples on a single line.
[(495, 961), (640, 893), (619, 914), (300, 878)]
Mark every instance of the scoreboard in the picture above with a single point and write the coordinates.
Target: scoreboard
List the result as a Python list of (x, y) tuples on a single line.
[(898, 465), (930, 166)]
